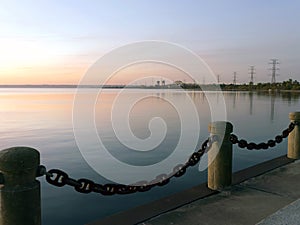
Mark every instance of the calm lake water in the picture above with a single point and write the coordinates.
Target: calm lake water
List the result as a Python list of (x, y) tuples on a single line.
[(42, 119)]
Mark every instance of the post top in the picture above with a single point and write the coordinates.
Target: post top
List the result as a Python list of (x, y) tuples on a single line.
[(220, 127), (17, 159), (294, 116)]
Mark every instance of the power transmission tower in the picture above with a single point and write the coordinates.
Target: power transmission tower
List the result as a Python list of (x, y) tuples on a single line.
[(252, 72), (234, 78), (274, 63), (218, 76)]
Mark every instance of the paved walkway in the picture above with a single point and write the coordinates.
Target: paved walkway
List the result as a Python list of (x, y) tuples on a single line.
[(287, 215), (271, 198)]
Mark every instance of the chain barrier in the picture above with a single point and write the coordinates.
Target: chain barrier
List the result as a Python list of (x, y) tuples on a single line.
[(60, 178), (263, 145)]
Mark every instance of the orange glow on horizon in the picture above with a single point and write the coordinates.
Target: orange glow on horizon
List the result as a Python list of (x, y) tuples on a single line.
[(27, 62), (41, 75), (38, 62), (60, 74), (147, 73)]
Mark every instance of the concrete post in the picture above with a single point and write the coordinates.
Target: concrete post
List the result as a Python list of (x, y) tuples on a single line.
[(294, 138), (20, 192), (220, 156)]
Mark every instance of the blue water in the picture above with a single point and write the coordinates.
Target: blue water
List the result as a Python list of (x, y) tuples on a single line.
[(42, 119)]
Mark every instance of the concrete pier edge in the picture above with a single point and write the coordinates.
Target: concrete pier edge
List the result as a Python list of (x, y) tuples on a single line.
[(145, 212)]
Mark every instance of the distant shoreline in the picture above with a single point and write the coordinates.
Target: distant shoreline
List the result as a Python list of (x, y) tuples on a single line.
[(71, 86), (50, 86)]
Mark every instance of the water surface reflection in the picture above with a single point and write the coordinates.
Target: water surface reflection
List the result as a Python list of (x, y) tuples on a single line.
[(43, 119)]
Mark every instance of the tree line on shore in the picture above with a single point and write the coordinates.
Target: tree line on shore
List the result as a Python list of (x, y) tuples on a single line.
[(292, 85)]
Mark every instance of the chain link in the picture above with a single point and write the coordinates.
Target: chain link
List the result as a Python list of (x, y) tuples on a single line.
[(59, 178), (270, 143)]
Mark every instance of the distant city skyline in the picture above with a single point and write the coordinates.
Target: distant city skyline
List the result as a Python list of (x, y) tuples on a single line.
[(55, 42)]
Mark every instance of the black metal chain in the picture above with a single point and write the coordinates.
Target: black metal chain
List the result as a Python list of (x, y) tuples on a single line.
[(60, 178), (263, 145)]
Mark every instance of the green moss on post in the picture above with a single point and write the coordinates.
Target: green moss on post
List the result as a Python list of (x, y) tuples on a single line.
[(294, 137), (20, 191), (220, 156)]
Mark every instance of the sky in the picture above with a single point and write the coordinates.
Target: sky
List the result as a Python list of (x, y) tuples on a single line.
[(56, 42)]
